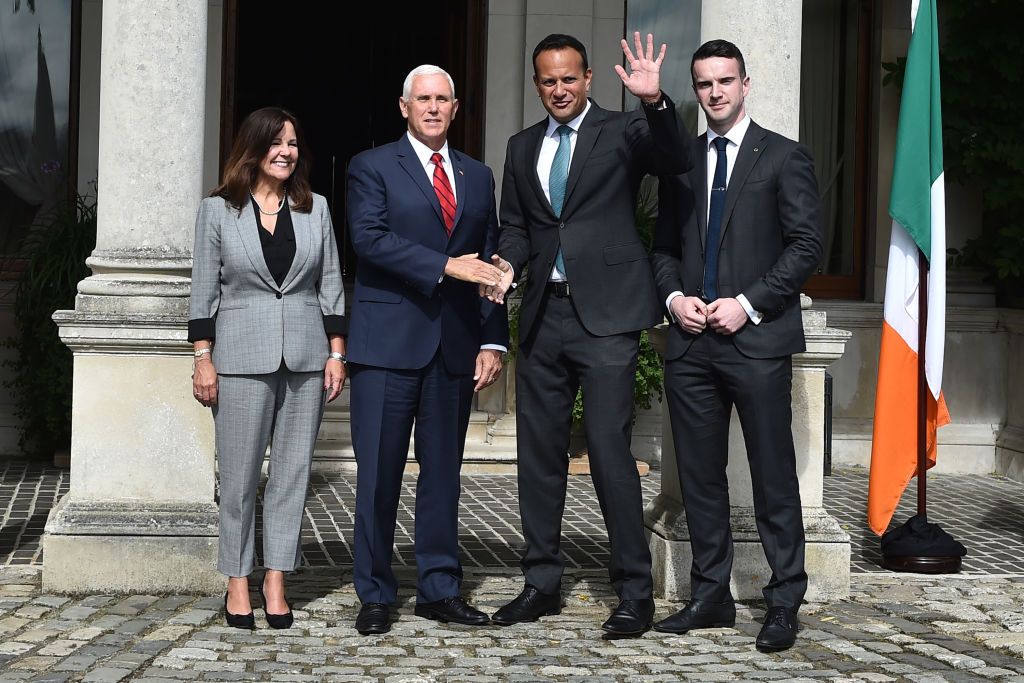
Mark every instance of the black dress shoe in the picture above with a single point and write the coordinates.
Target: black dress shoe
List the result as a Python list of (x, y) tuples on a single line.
[(454, 609), (374, 617), (630, 618), (699, 614), (779, 630), (277, 620), (246, 621), (530, 605)]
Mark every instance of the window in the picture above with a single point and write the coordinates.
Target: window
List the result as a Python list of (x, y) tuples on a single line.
[(35, 114)]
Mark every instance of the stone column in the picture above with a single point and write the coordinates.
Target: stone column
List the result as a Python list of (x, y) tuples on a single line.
[(768, 34), (140, 515), (828, 546)]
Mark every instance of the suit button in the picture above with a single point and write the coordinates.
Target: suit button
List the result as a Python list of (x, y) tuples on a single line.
[(279, 295), (561, 225)]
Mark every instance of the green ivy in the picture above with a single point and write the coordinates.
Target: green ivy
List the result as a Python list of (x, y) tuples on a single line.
[(54, 256)]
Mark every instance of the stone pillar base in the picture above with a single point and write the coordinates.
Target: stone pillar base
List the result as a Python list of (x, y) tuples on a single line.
[(118, 547), (827, 555)]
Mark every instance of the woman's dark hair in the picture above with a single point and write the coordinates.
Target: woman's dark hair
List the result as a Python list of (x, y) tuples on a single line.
[(560, 41), (252, 142), (719, 48)]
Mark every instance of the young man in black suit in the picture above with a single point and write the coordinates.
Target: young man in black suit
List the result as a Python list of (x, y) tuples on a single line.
[(736, 238), (567, 207)]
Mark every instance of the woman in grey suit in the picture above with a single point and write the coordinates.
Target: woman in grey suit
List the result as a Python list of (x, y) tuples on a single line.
[(266, 317)]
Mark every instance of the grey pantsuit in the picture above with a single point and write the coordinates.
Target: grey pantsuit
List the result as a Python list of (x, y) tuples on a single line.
[(270, 349), (250, 408)]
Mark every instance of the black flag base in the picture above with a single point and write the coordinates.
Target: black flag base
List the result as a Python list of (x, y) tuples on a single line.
[(921, 547)]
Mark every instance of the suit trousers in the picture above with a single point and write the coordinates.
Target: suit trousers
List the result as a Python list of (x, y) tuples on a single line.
[(283, 408), (559, 357), (701, 387), (385, 405)]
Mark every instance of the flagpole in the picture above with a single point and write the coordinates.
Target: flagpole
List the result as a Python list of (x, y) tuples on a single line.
[(922, 387), (927, 559)]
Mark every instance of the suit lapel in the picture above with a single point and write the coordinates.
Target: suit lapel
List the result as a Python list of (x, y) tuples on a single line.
[(586, 138), (248, 232), (749, 153), (458, 166), (408, 160), (700, 186), (303, 244), (537, 140)]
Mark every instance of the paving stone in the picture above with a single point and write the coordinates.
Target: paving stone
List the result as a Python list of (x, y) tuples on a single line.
[(951, 628), (106, 675)]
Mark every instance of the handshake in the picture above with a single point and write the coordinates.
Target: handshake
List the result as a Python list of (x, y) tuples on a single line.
[(494, 280)]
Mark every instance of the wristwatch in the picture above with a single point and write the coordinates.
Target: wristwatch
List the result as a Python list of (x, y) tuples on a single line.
[(199, 353), (335, 355), (661, 104)]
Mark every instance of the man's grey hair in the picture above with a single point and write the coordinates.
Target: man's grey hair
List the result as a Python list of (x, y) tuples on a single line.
[(425, 70)]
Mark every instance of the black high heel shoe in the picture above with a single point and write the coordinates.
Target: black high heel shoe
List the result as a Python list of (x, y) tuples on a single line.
[(244, 621), (277, 620)]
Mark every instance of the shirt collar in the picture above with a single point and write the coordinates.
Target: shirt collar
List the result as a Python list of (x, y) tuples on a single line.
[(423, 153), (574, 124), (735, 134)]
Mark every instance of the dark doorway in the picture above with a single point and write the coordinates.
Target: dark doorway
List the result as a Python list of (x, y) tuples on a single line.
[(339, 68)]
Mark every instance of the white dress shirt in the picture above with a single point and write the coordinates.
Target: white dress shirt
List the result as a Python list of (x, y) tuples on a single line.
[(735, 137), (423, 153), (548, 147)]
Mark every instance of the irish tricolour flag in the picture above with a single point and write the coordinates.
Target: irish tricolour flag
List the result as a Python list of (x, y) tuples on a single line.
[(917, 207)]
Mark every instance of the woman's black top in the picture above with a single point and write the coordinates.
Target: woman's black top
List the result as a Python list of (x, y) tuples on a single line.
[(279, 246)]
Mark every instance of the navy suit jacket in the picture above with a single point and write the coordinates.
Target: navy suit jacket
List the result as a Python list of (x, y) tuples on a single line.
[(401, 314)]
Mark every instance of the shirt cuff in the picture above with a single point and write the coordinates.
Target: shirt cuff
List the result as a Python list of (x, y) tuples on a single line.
[(202, 328), (494, 347), (754, 315), (668, 304), (336, 324)]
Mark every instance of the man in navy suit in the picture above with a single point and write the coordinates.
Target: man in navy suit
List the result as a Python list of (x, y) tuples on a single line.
[(421, 341)]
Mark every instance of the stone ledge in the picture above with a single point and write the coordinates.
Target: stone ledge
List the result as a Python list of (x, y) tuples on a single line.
[(963, 448), (123, 333), (868, 315), (123, 518)]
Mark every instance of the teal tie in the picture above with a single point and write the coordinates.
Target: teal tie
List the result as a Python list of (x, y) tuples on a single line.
[(558, 178)]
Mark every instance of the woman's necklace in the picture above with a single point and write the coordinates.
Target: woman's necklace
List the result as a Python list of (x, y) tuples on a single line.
[(268, 213)]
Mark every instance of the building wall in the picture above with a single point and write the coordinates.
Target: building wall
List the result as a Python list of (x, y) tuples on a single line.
[(975, 385)]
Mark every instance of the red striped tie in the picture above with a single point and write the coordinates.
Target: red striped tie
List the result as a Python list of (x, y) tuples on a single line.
[(443, 188)]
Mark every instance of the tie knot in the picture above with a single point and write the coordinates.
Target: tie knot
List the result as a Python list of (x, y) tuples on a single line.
[(437, 159), (564, 131), (720, 143)]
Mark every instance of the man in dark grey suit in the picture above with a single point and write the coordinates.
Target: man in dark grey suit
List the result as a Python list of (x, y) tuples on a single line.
[(567, 217), (736, 238)]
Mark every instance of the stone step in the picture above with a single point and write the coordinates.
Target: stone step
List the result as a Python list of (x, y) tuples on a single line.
[(334, 446)]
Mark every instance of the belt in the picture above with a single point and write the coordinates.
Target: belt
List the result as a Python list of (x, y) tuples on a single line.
[(559, 289)]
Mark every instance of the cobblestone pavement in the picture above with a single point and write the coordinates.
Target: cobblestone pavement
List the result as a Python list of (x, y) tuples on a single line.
[(968, 627), (892, 629)]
